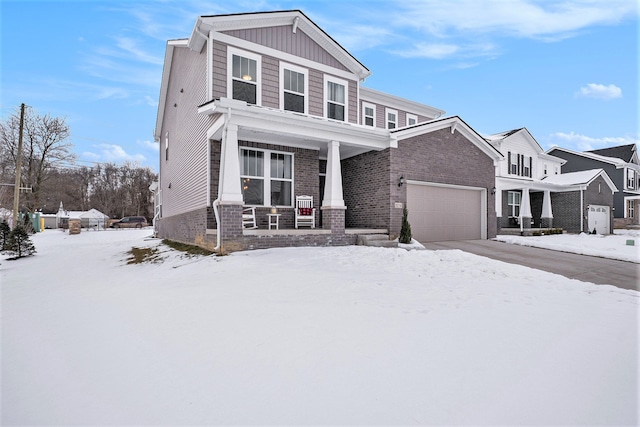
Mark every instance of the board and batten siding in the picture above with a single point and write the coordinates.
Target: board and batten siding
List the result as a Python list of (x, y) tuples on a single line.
[(517, 144), (282, 38), (186, 168)]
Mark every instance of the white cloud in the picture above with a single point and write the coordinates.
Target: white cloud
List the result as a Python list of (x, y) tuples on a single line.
[(594, 90), (151, 101), (113, 153), (130, 47), (577, 142), (150, 145), (431, 51), (521, 18)]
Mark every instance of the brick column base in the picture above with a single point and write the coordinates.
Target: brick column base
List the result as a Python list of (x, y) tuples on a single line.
[(546, 222), (230, 227), (333, 219)]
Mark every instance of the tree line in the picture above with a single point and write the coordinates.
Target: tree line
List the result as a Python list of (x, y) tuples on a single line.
[(49, 168)]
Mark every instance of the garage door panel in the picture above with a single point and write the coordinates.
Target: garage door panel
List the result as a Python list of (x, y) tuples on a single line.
[(439, 213)]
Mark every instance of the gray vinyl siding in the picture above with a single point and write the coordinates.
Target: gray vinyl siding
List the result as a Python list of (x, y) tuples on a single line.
[(270, 74), (285, 40), (578, 163), (187, 165), (381, 115)]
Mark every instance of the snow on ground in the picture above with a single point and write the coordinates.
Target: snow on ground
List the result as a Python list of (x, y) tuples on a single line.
[(348, 335), (613, 246)]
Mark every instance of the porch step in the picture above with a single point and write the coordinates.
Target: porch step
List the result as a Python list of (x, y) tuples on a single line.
[(377, 240)]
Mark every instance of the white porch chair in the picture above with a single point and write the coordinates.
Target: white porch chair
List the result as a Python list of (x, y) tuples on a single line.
[(305, 212), (249, 218)]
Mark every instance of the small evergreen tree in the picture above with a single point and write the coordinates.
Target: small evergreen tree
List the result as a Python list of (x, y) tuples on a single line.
[(19, 243), (405, 231), (5, 230)]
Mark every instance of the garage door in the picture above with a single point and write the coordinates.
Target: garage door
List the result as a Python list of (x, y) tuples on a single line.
[(438, 213), (598, 219)]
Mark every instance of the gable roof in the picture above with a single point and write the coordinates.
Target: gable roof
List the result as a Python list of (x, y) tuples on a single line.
[(295, 18), (455, 123), (497, 139), (580, 178), (619, 163), (624, 152)]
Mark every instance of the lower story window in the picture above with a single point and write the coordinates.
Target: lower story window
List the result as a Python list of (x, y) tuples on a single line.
[(631, 208), (513, 202), (266, 177)]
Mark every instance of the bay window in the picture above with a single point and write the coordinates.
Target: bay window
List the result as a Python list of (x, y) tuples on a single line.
[(266, 177)]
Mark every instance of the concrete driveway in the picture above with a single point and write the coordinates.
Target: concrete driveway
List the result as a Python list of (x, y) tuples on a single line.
[(581, 267)]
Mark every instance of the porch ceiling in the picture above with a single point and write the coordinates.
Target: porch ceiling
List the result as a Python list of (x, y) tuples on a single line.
[(272, 126)]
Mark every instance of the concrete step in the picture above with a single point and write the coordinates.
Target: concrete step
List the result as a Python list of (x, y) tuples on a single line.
[(363, 239), (377, 240)]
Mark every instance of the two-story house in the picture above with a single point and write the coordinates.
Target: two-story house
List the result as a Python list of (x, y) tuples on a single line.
[(257, 109), (533, 193), (622, 165)]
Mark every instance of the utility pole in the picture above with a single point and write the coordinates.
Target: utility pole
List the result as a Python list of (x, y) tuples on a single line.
[(16, 188)]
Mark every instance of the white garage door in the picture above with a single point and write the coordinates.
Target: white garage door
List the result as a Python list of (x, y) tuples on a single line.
[(598, 219), (439, 213)]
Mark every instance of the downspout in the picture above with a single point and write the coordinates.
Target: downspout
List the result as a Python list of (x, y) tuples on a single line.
[(216, 202), (582, 215)]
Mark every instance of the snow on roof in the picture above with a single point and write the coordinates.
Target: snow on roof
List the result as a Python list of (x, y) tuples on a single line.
[(580, 178)]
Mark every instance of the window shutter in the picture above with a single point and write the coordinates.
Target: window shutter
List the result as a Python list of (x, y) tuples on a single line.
[(509, 160), (519, 165), (530, 167)]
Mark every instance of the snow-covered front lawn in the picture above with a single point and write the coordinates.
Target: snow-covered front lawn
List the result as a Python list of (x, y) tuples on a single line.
[(613, 246), (347, 335)]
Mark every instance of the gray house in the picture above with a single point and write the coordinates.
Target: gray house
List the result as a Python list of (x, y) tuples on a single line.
[(257, 110), (622, 165)]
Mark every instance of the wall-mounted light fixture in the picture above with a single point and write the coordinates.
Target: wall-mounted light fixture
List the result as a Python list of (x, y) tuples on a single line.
[(169, 185), (401, 181), (493, 191), (182, 90)]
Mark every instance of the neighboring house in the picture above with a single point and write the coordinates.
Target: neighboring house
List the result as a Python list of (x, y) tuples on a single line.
[(256, 109), (622, 165), (91, 219), (531, 191)]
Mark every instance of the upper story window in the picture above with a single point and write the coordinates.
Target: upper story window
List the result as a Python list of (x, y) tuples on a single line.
[(545, 169), (368, 114), (244, 71), (631, 179), (293, 88), (392, 119), (335, 99), (266, 177), (412, 119), (519, 164)]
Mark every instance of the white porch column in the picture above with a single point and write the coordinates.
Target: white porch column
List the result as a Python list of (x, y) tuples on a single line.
[(546, 205), (229, 190), (498, 199), (333, 196), (525, 209)]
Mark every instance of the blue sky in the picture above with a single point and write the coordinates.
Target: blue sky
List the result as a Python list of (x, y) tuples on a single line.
[(565, 70)]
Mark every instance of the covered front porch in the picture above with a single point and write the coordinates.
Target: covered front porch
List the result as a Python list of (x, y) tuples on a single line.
[(243, 182)]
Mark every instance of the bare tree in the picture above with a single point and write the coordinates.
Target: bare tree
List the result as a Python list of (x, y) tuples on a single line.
[(45, 148)]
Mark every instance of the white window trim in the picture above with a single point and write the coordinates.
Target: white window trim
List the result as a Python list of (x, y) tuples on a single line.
[(305, 72), (166, 146), (630, 177), (325, 96), (233, 51), (411, 116), (266, 167), (512, 205), (366, 105), (386, 118)]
